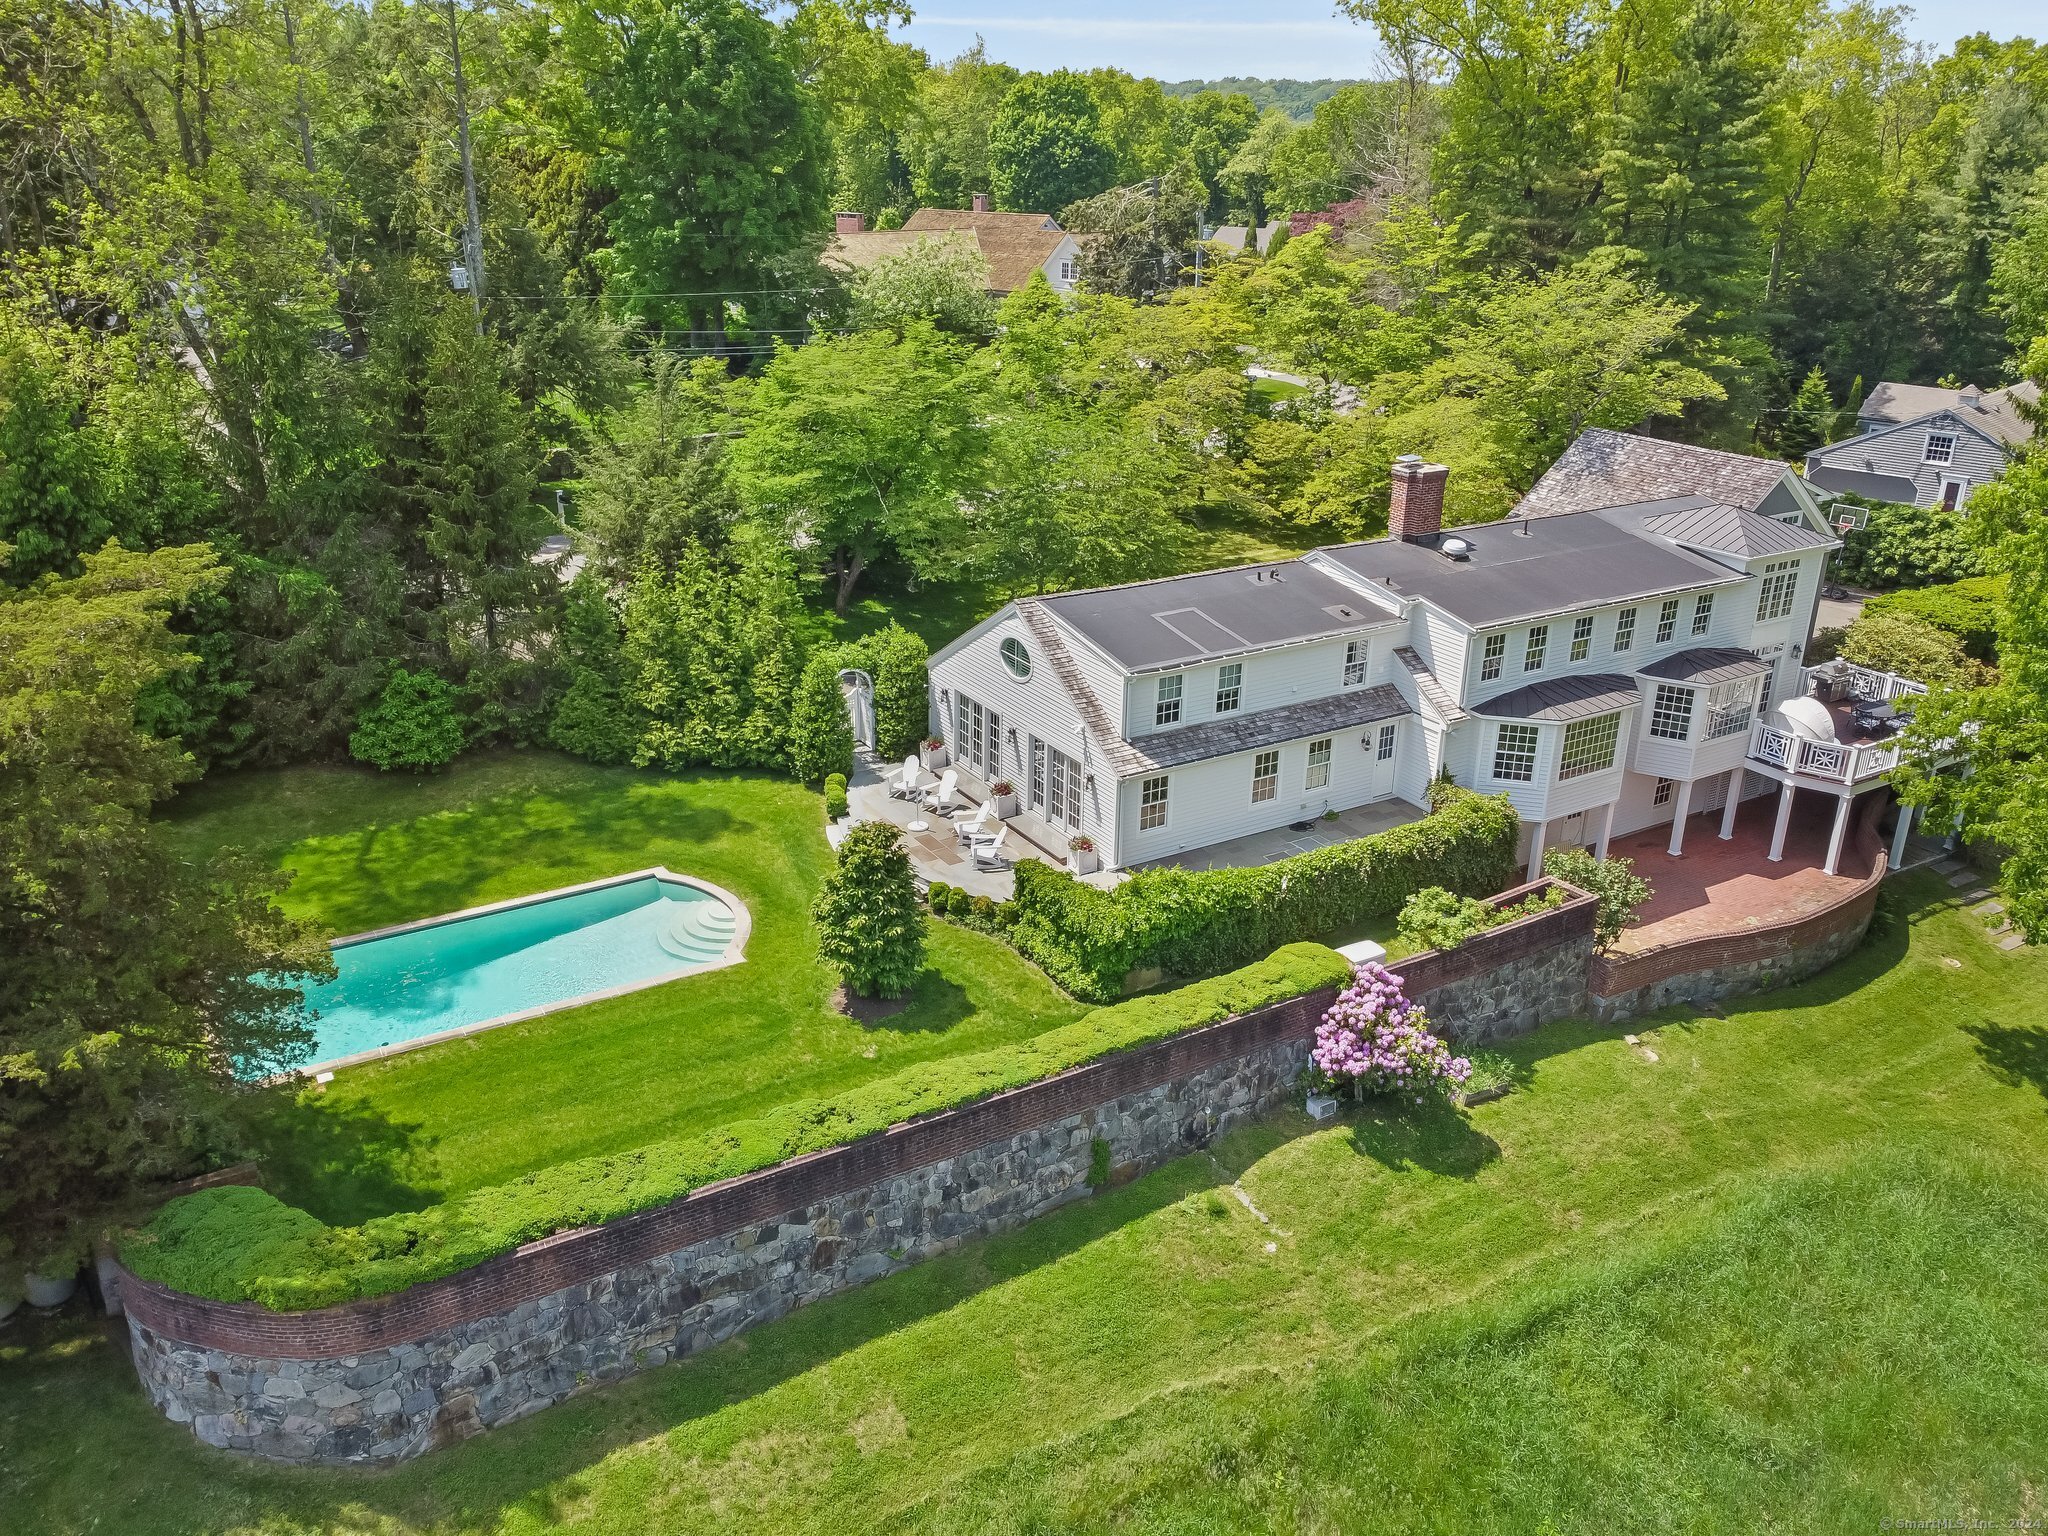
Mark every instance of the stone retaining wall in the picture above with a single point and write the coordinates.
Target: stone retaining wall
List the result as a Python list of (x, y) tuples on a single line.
[(1509, 979), (384, 1379), (1626, 986)]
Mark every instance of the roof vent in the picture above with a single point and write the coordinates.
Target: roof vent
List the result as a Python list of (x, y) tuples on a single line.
[(1455, 549)]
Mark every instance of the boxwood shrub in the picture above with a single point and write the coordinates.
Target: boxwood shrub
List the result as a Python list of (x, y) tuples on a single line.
[(242, 1244), (1198, 922)]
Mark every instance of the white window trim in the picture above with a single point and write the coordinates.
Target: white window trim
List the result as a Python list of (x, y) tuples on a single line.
[(1522, 732), (1948, 440)]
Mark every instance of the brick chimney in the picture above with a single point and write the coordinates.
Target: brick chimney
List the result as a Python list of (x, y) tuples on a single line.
[(981, 202), (850, 223), (1416, 510)]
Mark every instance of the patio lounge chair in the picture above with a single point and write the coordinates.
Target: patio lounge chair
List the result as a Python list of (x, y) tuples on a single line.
[(942, 799), (988, 851), (976, 826), (904, 785)]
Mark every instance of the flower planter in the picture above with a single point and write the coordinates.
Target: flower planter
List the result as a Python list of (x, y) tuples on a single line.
[(50, 1290), (1084, 860), (934, 757), (1006, 804)]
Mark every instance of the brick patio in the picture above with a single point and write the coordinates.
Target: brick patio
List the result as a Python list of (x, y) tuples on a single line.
[(1719, 888)]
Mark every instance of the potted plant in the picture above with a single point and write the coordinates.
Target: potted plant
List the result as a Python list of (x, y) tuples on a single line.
[(1004, 793), (1081, 854), (52, 1278), (934, 754)]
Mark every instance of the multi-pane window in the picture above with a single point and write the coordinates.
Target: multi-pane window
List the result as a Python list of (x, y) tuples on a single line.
[(1386, 747), (1532, 653), (1781, 584), (1491, 656), (1661, 795), (1152, 804), (1702, 613), (1229, 686), (977, 735), (1671, 712), (1625, 629), (1318, 764), (1941, 448), (1514, 753), (1582, 637), (1265, 776), (1355, 654), (1589, 745), (1731, 707), (1667, 620), (1166, 707), (1055, 785)]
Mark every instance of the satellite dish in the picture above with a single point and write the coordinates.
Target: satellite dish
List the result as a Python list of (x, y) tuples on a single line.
[(1807, 717)]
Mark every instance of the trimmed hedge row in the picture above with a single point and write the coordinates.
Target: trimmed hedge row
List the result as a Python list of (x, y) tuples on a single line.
[(1198, 922), (243, 1244)]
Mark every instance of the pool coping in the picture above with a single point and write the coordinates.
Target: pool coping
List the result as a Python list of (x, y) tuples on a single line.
[(734, 954)]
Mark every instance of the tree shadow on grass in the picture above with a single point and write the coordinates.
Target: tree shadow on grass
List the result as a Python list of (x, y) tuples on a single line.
[(344, 1160), (2017, 1054), (935, 1005), (1432, 1136)]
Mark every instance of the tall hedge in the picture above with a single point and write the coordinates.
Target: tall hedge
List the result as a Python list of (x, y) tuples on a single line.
[(820, 738), (1200, 922), (899, 663), (240, 1244), (1967, 609)]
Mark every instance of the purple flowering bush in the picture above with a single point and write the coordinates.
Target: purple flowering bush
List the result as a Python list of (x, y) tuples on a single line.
[(1376, 1041)]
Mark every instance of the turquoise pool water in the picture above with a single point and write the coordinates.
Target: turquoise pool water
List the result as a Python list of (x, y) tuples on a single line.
[(465, 970)]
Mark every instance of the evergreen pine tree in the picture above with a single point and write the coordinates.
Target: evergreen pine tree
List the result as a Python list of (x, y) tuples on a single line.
[(1809, 419), (771, 616), (820, 738), (592, 718), (657, 656), (869, 925), (1687, 167), (1846, 423)]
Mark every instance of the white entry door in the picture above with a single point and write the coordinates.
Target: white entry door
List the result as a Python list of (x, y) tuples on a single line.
[(1385, 752)]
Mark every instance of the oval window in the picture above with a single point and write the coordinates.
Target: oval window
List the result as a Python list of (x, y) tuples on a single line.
[(1015, 657)]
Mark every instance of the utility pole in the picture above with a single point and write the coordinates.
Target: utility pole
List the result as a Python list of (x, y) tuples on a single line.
[(473, 233)]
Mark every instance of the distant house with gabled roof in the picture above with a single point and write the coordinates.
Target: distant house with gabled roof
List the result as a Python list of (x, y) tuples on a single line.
[(1926, 445), (1013, 244)]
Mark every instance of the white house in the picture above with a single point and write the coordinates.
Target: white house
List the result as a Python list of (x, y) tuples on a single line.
[(1608, 656), (1925, 445)]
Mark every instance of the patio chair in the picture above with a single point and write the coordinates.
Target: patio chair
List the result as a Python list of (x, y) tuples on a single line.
[(904, 785), (976, 826), (988, 851), (943, 798)]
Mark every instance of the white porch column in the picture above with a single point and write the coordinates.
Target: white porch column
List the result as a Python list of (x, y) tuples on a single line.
[(1536, 849), (1734, 804), (1835, 837), (1606, 831), (1784, 820), (1681, 804), (1900, 833)]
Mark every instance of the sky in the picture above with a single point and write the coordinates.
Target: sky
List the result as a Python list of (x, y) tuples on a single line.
[(1298, 39)]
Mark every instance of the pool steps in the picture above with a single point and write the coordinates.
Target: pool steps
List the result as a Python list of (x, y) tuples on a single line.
[(700, 930)]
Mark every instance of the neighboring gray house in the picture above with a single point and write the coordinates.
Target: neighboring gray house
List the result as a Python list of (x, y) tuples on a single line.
[(1925, 445)]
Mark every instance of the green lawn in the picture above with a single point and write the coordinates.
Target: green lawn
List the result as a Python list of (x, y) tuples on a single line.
[(1787, 1275), (369, 849)]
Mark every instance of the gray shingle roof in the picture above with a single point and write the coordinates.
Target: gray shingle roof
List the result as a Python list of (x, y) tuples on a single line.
[(1733, 531), (1611, 469), (1269, 727), (1564, 698), (1706, 664), (1181, 619), (1427, 687), (1996, 412)]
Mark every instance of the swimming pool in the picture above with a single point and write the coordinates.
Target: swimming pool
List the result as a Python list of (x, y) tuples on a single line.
[(399, 988)]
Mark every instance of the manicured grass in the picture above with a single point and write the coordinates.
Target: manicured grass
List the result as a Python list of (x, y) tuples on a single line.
[(1787, 1275), (369, 849)]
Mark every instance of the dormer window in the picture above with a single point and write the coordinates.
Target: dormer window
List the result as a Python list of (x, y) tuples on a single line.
[(1166, 705), (1941, 448)]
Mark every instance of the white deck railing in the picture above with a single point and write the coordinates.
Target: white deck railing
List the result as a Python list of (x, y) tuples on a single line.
[(1839, 762)]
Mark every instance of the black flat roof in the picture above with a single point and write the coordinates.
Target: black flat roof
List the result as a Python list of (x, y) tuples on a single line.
[(1525, 568), (1183, 619)]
